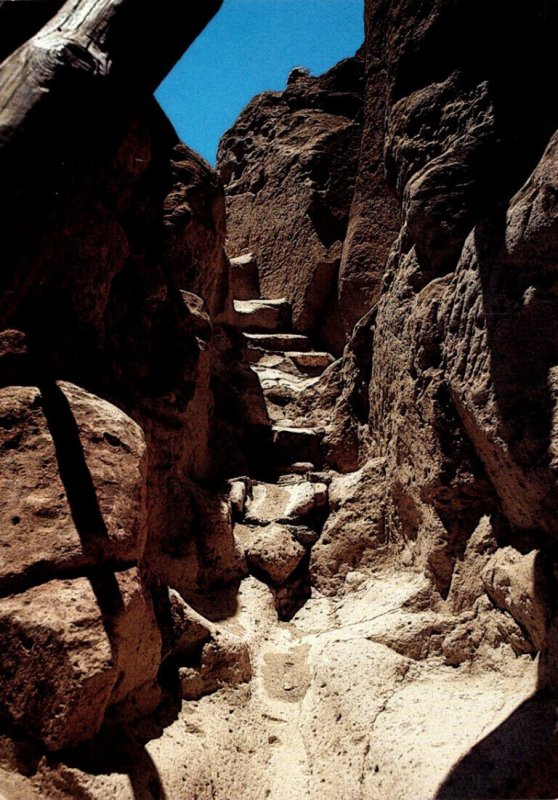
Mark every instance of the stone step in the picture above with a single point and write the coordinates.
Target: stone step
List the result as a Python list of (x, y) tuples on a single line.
[(279, 393), (280, 387), (310, 364), (297, 444), (284, 503), (262, 315), (296, 469), (244, 277), (278, 341)]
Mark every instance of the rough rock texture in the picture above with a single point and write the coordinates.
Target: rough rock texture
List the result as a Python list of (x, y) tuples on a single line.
[(449, 376), (289, 167), (115, 274), (73, 484), (366, 606), (72, 648)]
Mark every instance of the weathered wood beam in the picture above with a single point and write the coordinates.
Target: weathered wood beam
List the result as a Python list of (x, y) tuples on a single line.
[(130, 44), (66, 96)]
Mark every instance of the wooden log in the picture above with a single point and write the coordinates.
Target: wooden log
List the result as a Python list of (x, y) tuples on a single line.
[(66, 96)]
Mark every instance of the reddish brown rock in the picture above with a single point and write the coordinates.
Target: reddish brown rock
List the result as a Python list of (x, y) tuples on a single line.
[(72, 648), (117, 278), (455, 376), (73, 483), (289, 166), (57, 664)]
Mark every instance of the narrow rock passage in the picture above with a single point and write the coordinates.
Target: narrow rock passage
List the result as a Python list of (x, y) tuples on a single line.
[(279, 522), (286, 365), (361, 693), (351, 696)]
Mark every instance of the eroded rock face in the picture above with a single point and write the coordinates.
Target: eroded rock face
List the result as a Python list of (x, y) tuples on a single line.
[(73, 484), (444, 376), (413, 574), (117, 276), (289, 167), (444, 402)]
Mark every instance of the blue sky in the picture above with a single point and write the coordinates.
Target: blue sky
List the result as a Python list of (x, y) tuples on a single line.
[(251, 46)]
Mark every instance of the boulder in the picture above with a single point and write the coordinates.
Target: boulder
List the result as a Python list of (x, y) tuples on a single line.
[(72, 485), (516, 583), (272, 551), (72, 648)]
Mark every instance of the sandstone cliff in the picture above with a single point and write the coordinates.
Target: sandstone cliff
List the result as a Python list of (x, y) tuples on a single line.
[(289, 165), (233, 566)]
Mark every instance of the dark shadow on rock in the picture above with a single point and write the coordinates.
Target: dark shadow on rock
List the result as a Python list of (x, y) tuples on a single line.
[(118, 752), (218, 604), (240, 437), (517, 760), (81, 494)]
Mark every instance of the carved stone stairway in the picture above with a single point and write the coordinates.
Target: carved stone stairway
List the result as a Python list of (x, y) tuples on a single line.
[(285, 363), (278, 523)]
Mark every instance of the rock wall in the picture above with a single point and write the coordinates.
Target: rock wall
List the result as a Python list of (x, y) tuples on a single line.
[(289, 166), (448, 380), (405, 524), (114, 276)]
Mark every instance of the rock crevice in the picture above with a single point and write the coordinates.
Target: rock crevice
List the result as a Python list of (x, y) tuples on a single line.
[(281, 524)]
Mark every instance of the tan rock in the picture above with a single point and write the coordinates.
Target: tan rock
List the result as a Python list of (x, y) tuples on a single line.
[(354, 532), (189, 629), (516, 583), (239, 494), (135, 640), (57, 663), (313, 363), (285, 502), (272, 551), (225, 663), (467, 583)]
